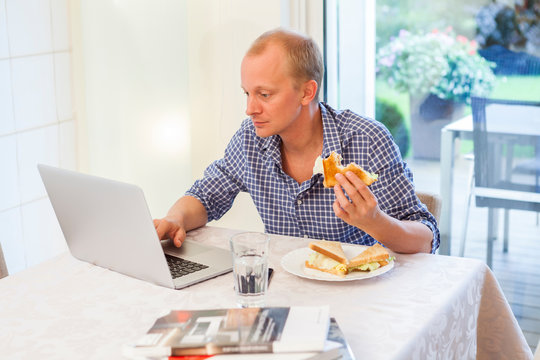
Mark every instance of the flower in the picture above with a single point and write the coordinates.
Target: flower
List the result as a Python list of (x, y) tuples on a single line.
[(436, 62)]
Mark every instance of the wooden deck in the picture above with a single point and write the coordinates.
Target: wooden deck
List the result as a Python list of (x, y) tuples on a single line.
[(518, 270)]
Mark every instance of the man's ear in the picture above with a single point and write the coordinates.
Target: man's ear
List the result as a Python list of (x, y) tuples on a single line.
[(310, 90)]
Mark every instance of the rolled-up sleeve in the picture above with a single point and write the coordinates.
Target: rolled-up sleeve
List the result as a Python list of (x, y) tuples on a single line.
[(222, 180), (395, 191)]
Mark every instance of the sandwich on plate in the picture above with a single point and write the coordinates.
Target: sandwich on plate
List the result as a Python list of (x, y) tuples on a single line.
[(331, 166), (327, 256), (370, 259)]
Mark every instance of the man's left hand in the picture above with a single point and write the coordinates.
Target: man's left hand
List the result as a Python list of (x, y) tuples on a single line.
[(361, 210)]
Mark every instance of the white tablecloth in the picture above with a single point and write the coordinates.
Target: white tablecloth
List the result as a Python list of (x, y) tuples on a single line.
[(426, 307)]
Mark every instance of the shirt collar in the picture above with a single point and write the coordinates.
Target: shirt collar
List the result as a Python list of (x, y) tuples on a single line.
[(331, 139), (270, 146)]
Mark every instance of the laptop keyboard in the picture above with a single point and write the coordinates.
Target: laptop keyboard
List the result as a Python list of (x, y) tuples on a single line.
[(180, 267)]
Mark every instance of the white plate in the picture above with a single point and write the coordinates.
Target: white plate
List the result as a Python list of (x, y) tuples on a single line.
[(294, 261)]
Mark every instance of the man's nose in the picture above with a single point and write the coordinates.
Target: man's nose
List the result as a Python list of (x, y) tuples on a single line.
[(252, 106)]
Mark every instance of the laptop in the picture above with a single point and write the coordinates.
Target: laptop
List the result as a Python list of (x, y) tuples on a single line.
[(107, 223)]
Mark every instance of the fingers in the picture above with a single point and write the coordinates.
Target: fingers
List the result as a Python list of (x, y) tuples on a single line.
[(179, 237), (162, 227), (355, 188), (360, 186), (340, 213), (341, 199), (170, 230), (355, 203), (350, 185), (345, 186)]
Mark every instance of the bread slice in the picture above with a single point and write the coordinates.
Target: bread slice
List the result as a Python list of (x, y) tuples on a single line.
[(375, 253), (332, 166), (332, 249), (335, 271)]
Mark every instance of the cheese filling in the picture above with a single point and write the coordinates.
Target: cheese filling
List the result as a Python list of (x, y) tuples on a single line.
[(324, 262), (318, 168), (366, 267)]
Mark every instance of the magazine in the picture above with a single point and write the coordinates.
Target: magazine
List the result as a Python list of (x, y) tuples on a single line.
[(235, 331), (336, 348)]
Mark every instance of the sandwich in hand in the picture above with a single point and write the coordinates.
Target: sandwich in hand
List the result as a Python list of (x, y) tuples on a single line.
[(370, 259), (327, 256), (332, 166)]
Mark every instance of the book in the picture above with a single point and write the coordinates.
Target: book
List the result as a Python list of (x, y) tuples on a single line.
[(336, 348), (336, 335), (293, 329)]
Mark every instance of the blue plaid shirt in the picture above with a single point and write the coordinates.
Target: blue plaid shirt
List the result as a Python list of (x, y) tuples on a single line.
[(253, 164)]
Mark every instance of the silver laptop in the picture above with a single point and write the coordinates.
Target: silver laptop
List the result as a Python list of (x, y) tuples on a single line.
[(107, 223)]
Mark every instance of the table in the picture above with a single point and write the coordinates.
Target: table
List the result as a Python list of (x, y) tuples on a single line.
[(427, 306), (463, 129)]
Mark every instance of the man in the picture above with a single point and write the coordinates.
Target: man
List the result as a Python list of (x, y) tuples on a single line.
[(272, 155)]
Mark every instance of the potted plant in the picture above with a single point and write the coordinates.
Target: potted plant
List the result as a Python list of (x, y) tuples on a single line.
[(440, 71)]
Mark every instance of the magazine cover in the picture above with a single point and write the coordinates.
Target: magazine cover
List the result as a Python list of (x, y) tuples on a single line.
[(238, 330), (336, 348)]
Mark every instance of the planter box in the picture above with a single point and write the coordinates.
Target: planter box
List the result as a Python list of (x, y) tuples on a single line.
[(429, 114)]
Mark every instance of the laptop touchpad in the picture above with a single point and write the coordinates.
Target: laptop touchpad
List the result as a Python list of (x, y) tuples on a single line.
[(188, 249)]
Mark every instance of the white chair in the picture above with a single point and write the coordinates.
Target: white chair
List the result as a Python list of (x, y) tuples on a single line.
[(470, 194), (495, 152)]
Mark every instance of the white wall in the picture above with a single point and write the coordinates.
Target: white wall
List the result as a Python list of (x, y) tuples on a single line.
[(161, 90), (36, 124), (133, 81), (147, 92), (188, 55)]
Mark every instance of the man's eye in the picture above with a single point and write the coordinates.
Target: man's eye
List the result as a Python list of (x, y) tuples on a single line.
[(265, 95)]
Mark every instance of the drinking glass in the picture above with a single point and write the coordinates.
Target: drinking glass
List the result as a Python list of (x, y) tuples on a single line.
[(250, 268)]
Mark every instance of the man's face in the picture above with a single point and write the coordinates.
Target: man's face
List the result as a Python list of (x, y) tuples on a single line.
[(273, 100)]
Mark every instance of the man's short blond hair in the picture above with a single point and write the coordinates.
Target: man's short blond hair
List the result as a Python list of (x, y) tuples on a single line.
[(304, 57)]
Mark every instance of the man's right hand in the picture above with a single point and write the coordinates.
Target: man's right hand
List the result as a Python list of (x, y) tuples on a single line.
[(169, 228)]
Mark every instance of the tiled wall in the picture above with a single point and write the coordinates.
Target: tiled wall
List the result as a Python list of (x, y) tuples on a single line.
[(37, 124)]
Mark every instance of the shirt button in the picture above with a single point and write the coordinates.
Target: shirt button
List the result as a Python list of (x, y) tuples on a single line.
[(299, 202)]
